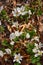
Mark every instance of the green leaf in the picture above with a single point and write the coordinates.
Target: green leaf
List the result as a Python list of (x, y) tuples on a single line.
[(23, 36), (39, 12), (38, 58), (3, 49), (32, 33), (32, 10), (5, 43), (20, 17), (16, 63), (5, 16), (26, 7), (29, 47), (38, 63), (35, 59), (39, 3), (15, 51), (16, 39), (3, 12), (29, 51), (1, 29)]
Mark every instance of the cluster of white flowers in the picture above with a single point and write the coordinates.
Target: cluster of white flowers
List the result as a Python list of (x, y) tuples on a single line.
[(7, 51), (37, 51), (1, 8), (17, 34), (17, 58), (20, 11), (13, 35)]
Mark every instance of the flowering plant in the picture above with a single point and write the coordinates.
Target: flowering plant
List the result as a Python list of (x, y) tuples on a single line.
[(35, 53), (20, 42)]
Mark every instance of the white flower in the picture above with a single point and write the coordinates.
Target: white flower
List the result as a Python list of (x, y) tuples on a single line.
[(35, 30), (12, 42), (40, 44), (36, 38), (1, 8), (17, 33), (22, 8), (15, 10), (29, 16), (18, 9), (27, 35), (15, 24), (14, 13), (29, 12), (35, 50), (17, 58), (12, 36), (33, 21), (1, 53), (36, 55), (8, 51), (21, 33), (23, 13), (36, 45), (39, 53), (0, 22)]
